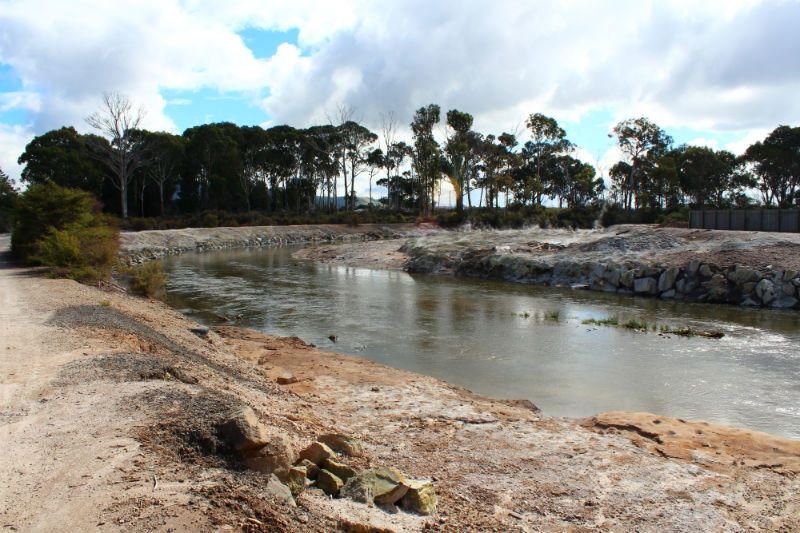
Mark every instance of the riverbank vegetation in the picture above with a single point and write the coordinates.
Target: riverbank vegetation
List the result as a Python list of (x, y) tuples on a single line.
[(64, 229), (643, 326), (224, 174)]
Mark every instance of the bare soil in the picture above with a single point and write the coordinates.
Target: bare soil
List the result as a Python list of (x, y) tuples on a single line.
[(108, 405)]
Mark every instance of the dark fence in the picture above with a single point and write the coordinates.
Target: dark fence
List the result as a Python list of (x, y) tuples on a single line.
[(784, 220)]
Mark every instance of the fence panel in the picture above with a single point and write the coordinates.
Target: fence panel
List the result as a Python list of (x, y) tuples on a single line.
[(784, 220)]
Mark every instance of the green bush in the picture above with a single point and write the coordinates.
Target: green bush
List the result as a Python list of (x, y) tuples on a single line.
[(148, 280), (63, 229)]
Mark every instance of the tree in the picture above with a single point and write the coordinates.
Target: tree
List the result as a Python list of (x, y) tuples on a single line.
[(776, 164), (461, 150), (642, 142), (8, 200), (63, 157), (706, 175), (166, 157), (427, 154), (548, 140), (123, 154), (356, 142)]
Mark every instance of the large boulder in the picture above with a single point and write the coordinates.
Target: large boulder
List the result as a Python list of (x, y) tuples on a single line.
[(645, 286), (741, 275), (765, 290), (277, 490), (329, 482), (666, 281), (242, 431)]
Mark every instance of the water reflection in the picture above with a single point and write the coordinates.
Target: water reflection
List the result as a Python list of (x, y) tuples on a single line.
[(496, 338)]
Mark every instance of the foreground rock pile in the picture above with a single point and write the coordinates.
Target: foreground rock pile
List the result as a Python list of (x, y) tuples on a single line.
[(321, 465)]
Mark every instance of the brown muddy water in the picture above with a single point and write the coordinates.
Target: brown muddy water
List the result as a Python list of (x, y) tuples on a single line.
[(513, 341)]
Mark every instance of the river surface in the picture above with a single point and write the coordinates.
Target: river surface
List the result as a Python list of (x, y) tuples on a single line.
[(504, 340)]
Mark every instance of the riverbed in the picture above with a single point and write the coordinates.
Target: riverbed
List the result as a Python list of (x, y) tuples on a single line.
[(513, 341)]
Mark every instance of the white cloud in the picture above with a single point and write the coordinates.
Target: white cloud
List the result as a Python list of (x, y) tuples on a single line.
[(717, 65), (12, 143)]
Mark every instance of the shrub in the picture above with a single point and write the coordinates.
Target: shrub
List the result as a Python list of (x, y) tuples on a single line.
[(148, 280), (63, 229)]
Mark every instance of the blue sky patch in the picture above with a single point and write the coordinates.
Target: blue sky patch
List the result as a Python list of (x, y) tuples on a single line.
[(264, 43), (204, 106)]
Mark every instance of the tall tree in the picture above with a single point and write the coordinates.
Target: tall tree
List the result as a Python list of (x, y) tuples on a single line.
[(427, 154), (8, 199), (776, 164), (461, 150), (548, 140), (117, 121), (642, 142), (166, 155)]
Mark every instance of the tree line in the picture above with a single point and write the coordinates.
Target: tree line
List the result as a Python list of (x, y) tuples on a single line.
[(222, 166)]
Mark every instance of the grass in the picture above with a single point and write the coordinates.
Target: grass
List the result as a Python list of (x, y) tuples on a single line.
[(643, 327), (105, 303), (553, 316)]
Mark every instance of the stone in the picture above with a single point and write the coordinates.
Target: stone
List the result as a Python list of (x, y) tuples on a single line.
[(705, 270), (311, 469), (685, 286), (693, 267), (316, 452), (200, 331), (242, 431), (343, 444), (381, 485), (297, 479), (796, 282), (784, 303), (749, 287), (329, 483), (765, 290), (276, 456), (614, 276), (627, 278), (668, 295), (341, 470), (789, 275), (749, 302), (788, 288), (277, 490), (666, 280), (645, 286), (286, 379), (420, 498)]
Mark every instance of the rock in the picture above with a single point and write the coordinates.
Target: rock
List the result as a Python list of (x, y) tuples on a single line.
[(297, 479), (749, 302), (784, 303), (741, 275), (749, 287), (343, 444), (789, 275), (693, 267), (765, 290), (242, 431), (645, 286), (316, 452), (420, 498), (382, 485), (329, 482), (666, 280), (332, 338), (705, 271), (286, 379), (279, 491), (788, 288), (200, 331), (341, 470), (276, 456), (796, 282), (311, 469), (685, 286), (668, 295), (614, 277), (627, 279)]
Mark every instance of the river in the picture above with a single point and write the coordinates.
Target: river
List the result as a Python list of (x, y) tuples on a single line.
[(513, 341)]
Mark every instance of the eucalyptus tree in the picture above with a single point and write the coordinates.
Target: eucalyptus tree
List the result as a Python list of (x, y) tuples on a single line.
[(166, 156), (461, 152), (281, 159), (427, 158), (548, 140), (212, 168), (8, 200), (642, 142), (776, 165), (123, 154), (357, 142)]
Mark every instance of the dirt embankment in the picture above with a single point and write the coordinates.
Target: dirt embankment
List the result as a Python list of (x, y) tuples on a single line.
[(140, 246), (740, 268), (111, 409)]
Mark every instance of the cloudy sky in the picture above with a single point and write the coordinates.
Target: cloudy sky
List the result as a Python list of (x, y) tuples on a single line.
[(716, 72)]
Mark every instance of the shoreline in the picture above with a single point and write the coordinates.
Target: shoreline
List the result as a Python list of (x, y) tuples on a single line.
[(115, 399)]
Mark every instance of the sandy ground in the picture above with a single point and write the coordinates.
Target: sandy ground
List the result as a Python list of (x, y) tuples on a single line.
[(108, 405), (646, 244)]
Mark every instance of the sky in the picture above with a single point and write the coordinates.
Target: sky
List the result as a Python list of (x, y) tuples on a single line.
[(721, 73)]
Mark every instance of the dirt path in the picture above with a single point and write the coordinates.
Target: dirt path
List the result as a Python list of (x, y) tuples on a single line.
[(110, 406)]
